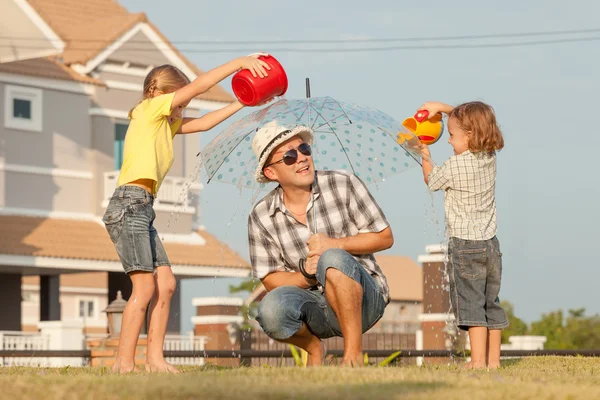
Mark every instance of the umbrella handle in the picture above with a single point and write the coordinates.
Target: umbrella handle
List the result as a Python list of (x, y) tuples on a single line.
[(303, 271)]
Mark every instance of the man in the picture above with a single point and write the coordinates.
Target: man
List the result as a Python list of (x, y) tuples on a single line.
[(312, 241)]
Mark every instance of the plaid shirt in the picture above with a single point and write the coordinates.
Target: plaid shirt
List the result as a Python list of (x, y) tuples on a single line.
[(469, 184), (344, 207)]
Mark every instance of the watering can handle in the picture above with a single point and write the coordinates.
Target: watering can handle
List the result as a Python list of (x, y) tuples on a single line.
[(421, 115)]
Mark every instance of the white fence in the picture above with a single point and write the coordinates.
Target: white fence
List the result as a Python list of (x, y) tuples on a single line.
[(10, 340), (14, 340), (187, 343)]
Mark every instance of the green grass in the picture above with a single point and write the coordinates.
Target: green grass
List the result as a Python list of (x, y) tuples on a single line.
[(528, 378)]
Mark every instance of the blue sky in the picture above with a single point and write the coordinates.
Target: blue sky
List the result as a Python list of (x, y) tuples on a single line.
[(545, 97)]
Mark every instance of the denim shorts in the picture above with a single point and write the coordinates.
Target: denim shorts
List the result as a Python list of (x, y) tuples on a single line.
[(129, 221), (475, 272), (283, 310)]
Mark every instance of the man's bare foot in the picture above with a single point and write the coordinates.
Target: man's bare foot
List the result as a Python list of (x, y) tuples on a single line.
[(161, 366), (120, 368), (315, 354), (352, 361)]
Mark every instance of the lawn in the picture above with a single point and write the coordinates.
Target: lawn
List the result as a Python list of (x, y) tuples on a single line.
[(528, 378)]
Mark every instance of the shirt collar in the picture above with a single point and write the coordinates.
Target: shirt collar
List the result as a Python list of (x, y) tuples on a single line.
[(277, 203)]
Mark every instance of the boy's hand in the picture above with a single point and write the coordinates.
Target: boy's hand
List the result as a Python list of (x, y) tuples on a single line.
[(425, 152), (435, 107), (254, 65)]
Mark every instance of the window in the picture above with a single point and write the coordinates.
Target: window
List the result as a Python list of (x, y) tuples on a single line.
[(120, 131), (23, 108), (87, 309)]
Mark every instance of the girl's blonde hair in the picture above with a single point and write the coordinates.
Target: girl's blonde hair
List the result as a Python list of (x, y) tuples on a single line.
[(479, 119), (165, 78)]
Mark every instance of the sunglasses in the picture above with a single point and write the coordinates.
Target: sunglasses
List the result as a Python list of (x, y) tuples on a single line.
[(291, 156)]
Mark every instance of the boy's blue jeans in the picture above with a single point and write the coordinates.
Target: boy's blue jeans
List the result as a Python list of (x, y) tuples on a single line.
[(283, 310), (475, 272)]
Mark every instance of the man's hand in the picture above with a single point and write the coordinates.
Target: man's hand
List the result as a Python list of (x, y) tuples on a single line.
[(319, 243)]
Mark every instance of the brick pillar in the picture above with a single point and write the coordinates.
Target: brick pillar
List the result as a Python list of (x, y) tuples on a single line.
[(437, 320), (218, 319), (104, 351)]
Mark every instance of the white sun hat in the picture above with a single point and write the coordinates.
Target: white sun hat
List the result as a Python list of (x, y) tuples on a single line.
[(272, 135)]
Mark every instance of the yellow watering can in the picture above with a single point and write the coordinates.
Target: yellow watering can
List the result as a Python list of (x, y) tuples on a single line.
[(427, 130)]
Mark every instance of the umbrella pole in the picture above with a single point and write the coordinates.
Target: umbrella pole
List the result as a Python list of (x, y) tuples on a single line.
[(307, 88)]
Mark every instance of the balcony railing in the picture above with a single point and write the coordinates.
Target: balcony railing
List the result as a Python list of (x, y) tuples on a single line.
[(176, 194)]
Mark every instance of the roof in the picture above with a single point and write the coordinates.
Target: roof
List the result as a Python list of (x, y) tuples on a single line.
[(404, 277), (89, 26), (88, 240), (47, 67)]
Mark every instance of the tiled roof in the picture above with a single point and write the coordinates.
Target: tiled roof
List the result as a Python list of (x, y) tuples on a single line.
[(89, 26), (88, 240), (46, 67)]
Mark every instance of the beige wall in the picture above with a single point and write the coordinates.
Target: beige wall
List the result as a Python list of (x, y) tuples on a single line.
[(87, 287), (16, 24), (63, 145), (129, 52), (400, 316)]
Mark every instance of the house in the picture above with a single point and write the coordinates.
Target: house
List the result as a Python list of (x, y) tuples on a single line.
[(65, 94), (405, 279)]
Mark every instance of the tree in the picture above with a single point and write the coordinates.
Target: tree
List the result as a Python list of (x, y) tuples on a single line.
[(551, 326), (516, 325), (248, 311), (575, 332), (583, 332)]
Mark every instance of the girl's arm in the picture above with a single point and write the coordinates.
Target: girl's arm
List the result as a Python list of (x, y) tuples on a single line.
[(210, 120), (206, 81)]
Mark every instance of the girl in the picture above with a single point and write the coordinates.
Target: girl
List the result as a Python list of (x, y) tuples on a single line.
[(147, 158), (475, 261)]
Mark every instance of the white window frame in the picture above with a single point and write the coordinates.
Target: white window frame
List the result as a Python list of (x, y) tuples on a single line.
[(12, 92), (87, 299)]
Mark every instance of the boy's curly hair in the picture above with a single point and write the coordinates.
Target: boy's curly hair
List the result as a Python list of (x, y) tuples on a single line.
[(479, 120)]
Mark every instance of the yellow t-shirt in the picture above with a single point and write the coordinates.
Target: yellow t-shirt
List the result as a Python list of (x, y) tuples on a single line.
[(148, 149)]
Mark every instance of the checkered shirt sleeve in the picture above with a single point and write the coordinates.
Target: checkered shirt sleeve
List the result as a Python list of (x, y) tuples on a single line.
[(440, 178), (264, 251), (365, 211)]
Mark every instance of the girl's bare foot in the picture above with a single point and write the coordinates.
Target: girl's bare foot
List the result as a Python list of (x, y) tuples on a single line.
[(494, 366), (474, 365), (121, 368), (161, 366)]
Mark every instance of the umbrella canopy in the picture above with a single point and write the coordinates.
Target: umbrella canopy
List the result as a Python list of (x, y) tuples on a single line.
[(346, 137)]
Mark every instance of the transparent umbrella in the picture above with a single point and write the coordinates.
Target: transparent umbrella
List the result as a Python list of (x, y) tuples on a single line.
[(346, 137)]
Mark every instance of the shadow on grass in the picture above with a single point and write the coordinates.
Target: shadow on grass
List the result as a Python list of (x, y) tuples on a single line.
[(356, 391)]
